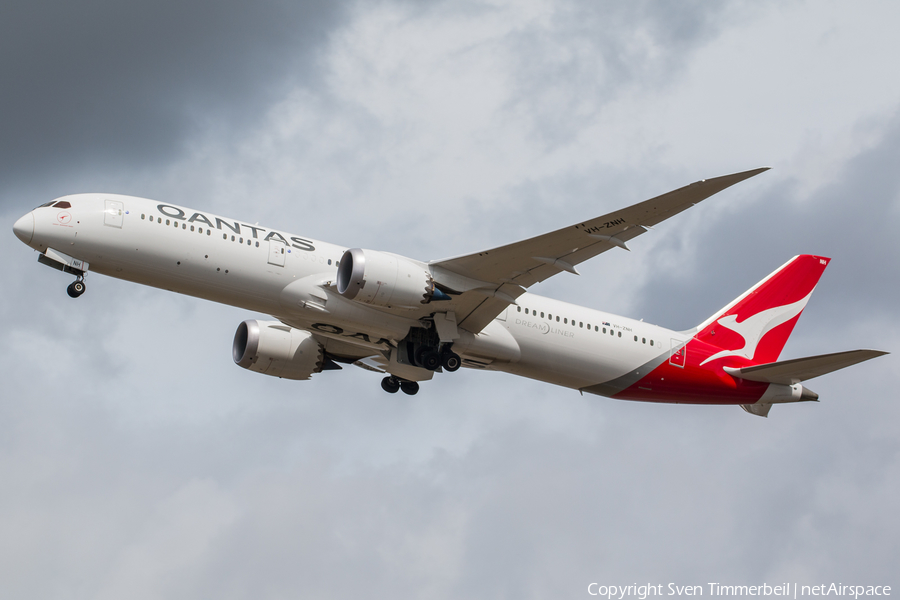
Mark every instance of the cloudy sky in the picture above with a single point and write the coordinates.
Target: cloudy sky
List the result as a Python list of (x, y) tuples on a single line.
[(138, 461)]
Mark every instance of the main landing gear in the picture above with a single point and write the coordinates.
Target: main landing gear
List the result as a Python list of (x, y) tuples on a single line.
[(430, 358), (393, 384), (421, 348), (76, 288)]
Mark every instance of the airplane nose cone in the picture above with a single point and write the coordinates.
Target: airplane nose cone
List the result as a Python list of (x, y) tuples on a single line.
[(24, 228)]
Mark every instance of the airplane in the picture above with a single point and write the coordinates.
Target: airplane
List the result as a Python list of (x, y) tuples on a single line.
[(408, 319)]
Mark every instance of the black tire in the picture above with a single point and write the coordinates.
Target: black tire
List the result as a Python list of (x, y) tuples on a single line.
[(451, 361), (390, 385), (410, 388), (431, 360), (420, 356), (75, 289), (427, 358)]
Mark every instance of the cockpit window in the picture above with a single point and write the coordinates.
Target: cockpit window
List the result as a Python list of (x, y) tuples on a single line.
[(62, 204), (46, 204)]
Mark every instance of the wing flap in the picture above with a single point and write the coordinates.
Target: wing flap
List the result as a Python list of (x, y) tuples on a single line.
[(483, 314), (789, 372)]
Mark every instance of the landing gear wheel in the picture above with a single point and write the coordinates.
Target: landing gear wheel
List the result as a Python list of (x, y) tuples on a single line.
[(451, 361), (410, 388), (75, 289), (428, 358), (391, 385)]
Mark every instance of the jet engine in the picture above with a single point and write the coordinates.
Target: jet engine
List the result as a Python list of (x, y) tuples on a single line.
[(385, 279), (275, 349)]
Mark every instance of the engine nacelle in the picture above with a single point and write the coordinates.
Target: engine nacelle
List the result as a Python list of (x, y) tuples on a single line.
[(383, 279), (275, 349)]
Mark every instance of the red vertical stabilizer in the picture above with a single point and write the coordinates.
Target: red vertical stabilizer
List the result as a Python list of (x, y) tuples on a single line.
[(756, 326)]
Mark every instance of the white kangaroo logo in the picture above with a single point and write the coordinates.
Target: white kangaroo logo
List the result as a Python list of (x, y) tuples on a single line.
[(754, 328)]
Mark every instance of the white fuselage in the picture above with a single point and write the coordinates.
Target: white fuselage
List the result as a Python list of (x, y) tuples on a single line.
[(288, 276)]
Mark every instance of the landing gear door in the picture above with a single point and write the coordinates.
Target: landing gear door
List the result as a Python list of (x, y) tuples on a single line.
[(277, 250), (676, 355), (114, 214)]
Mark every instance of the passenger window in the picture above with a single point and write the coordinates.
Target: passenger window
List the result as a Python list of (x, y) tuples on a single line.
[(208, 232), (651, 342), (329, 261), (581, 324), (526, 311), (597, 328), (167, 221), (643, 340), (519, 309), (184, 226), (557, 318), (257, 244), (604, 330), (542, 314), (241, 241), (549, 316), (232, 238), (620, 334), (142, 216), (151, 218), (192, 227), (224, 236), (566, 321)]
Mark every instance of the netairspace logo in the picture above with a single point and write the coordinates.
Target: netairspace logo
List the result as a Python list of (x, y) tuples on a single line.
[(719, 590)]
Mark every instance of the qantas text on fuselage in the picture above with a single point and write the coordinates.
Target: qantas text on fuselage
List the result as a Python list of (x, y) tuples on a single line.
[(235, 227), (408, 319)]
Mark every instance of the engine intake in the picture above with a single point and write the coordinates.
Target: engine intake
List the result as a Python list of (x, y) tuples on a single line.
[(384, 279), (275, 349)]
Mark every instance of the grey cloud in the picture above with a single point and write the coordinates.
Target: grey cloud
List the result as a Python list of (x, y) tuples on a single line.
[(851, 220), (106, 83), (603, 50), (660, 493), (137, 459)]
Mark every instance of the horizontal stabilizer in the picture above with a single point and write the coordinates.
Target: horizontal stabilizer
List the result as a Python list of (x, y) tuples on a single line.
[(789, 372)]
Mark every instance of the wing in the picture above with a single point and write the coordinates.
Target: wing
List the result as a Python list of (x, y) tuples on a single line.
[(491, 280)]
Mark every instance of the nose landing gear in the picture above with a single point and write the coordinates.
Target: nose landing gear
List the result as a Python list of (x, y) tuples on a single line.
[(76, 288)]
